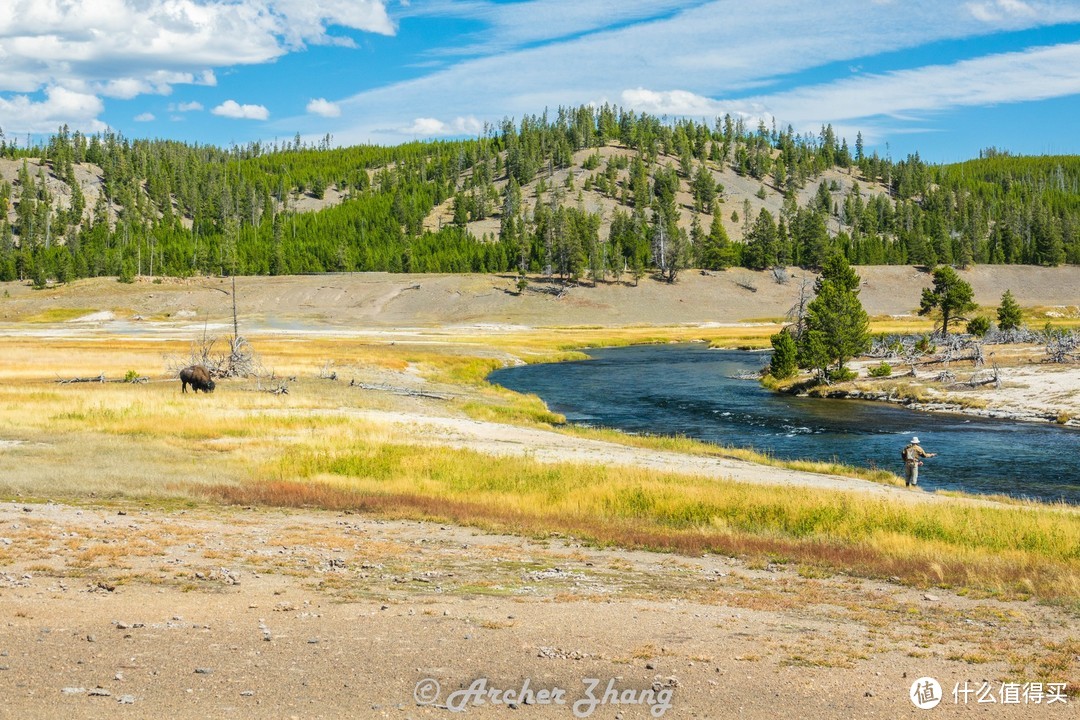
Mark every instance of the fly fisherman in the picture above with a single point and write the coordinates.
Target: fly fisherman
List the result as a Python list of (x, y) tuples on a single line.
[(911, 454)]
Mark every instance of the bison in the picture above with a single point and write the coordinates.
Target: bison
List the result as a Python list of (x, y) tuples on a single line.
[(197, 377)]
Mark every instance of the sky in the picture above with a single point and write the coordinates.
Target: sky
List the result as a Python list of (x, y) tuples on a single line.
[(943, 78)]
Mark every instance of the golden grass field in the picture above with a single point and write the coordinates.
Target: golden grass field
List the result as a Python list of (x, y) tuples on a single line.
[(149, 443)]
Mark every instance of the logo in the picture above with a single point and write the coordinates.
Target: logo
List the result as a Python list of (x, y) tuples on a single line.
[(925, 693)]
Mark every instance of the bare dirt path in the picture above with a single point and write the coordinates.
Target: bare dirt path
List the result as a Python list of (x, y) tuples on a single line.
[(208, 613)]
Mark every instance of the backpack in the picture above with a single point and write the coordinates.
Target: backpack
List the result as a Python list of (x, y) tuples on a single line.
[(908, 453)]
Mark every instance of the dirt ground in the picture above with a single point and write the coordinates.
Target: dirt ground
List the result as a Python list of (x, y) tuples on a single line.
[(237, 612), (147, 611), (381, 300)]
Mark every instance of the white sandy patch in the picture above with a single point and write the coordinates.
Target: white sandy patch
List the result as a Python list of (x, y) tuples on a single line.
[(99, 316)]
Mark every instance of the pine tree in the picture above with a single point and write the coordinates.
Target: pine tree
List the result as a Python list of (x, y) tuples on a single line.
[(837, 326), (717, 252), (1009, 314), (950, 294), (783, 363)]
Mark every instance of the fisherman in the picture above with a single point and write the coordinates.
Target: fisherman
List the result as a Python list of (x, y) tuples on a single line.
[(911, 454)]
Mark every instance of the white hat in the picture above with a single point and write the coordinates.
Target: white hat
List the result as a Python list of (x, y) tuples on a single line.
[(914, 441)]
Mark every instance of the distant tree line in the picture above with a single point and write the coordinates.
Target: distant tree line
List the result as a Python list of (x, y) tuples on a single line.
[(170, 208)]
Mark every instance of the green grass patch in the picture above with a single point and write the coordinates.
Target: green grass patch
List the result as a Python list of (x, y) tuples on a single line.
[(55, 315)]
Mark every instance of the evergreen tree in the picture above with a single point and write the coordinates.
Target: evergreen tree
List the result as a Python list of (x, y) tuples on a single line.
[(837, 326), (761, 242), (1010, 317), (717, 251), (950, 294), (783, 363)]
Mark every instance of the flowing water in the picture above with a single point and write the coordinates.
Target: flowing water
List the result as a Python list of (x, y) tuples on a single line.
[(692, 390)]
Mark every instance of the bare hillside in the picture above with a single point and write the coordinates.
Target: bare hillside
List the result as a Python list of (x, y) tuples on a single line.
[(387, 300), (737, 191)]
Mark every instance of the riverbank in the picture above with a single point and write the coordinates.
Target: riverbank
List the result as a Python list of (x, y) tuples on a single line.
[(392, 517), (1031, 392)]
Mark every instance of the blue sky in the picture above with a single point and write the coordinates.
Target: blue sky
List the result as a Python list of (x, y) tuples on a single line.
[(944, 78)]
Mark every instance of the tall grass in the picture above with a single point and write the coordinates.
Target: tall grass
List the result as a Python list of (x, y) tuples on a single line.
[(306, 448), (1006, 551)]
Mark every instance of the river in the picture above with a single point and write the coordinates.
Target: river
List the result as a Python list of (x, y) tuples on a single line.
[(689, 389)]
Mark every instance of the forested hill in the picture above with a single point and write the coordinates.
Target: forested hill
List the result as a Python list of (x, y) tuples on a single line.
[(589, 193)]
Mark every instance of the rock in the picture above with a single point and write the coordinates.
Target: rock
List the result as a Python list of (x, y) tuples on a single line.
[(247, 693), (204, 671), (931, 598), (73, 690), (99, 692), (126, 699)]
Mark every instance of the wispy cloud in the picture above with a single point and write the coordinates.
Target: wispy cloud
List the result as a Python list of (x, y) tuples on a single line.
[(995, 11), (706, 57), (1035, 74), (518, 24), (233, 109)]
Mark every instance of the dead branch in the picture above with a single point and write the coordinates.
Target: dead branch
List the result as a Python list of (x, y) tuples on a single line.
[(397, 390), (68, 381)]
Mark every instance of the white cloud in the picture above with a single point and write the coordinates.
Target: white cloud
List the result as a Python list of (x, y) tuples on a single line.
[(517, 24), (79, 110), (717, 49), (145, 117), (995, 11), (125, 48), (126, 88), (1035, 74), (233, 109), (186, 107), (432, 127), (323, 107)]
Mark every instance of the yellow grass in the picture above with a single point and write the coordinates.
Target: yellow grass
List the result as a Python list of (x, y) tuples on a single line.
[(1005, 550), (306, 448)]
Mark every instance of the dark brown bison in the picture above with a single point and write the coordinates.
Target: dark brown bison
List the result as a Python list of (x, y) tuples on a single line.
[(197, 377)]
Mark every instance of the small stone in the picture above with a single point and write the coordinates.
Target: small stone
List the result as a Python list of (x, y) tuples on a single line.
[(650, 666), (313, 641), (126, 699), (99, 692), (73, 691), (203, 671), (868, 694), (91, 638), (247, 693), (930, 598)]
